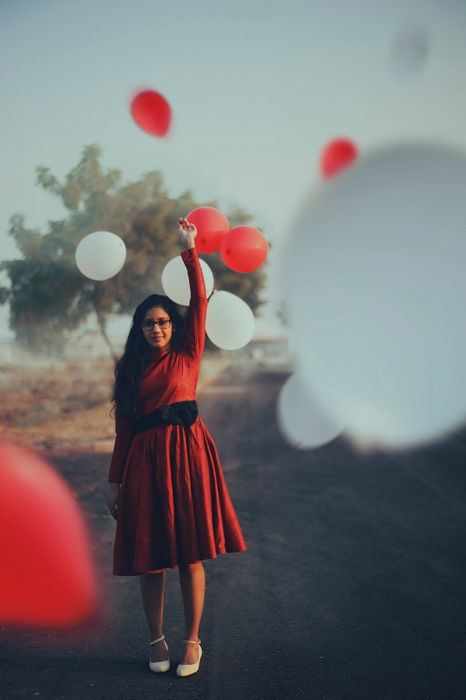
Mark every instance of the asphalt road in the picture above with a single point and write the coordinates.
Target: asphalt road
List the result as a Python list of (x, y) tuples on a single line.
[(352, 586)]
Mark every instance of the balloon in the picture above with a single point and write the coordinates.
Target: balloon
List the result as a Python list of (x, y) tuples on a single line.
[(151, 112), (376, 288), (230, 322), (410, 50), (337, 156), (211, 228), (100, 255), (175, 280), (244, 249), (300, 417), (47, 572)]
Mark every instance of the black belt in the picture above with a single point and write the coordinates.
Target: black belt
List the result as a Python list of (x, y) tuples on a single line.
[(178, 413)]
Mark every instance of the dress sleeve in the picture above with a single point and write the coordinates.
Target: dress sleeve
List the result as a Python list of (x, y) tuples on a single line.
[(194, 336), (124, 434)]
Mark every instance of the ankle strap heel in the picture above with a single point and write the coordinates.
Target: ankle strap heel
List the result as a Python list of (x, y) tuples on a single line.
[(159, 666), (189, 669)]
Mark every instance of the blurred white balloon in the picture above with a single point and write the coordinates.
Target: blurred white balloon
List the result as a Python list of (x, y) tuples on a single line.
[(230, 322), (175, 280), (376, 270), (300, 418), (410, 50), (100, 255)]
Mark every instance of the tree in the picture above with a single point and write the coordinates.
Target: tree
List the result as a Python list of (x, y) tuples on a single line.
[(49, 297)]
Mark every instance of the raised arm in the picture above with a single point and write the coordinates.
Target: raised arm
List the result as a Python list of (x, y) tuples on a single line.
[(124, 434), (194, 335)]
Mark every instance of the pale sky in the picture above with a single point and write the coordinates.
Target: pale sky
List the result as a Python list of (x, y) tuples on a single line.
[(257, 88)]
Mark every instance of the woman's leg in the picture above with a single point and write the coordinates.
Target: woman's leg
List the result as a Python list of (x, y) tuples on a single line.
[(152, 590), (192, 582)]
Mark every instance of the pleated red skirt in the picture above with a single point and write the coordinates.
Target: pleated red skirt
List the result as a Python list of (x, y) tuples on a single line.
[(174, 507)]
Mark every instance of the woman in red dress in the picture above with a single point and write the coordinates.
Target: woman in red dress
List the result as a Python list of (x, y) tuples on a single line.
[(168, 493)]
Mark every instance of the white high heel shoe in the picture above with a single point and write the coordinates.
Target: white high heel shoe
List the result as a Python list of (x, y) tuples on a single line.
[(188, 669), (159, 666)]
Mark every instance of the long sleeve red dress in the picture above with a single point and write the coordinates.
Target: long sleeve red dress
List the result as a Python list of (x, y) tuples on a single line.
[(174, 507)]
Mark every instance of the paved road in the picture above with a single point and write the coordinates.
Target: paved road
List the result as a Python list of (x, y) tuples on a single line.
[(352, 586)]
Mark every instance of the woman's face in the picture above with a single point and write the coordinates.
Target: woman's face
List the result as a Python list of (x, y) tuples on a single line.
[(158, 336)]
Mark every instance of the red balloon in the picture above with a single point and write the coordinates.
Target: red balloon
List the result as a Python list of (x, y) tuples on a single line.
[(337, 156), (47, 571), (211, 228), (151, 111), (244, 249)]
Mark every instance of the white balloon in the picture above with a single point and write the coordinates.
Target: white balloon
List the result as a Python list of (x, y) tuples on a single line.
[(300, 417), (100, 255), (410, 50), (376, 270), (175, 280), (230, 322)]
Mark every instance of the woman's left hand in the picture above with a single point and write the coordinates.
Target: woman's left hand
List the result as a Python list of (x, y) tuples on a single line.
[(188, 232)]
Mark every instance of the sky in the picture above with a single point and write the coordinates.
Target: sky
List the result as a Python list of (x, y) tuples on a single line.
[(257, 90)]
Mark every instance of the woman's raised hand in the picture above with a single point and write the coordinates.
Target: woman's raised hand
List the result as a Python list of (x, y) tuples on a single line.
[(188, 233)]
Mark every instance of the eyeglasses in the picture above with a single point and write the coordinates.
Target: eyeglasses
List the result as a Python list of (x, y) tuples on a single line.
[(149, 324)]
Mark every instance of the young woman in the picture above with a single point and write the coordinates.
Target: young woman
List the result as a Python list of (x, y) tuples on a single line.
[(168, 493)]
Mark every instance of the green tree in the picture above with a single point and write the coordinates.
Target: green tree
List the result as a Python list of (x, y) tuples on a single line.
[(49, 297)]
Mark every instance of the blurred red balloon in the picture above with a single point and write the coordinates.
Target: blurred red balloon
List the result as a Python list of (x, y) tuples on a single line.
[(151, 111), (244, 249), (336, 156), (47, 572), (211, 228)]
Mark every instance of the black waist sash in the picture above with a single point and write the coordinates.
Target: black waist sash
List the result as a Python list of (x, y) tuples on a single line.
[(180, 412)]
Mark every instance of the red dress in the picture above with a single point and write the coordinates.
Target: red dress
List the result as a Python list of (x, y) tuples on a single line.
[(174, 507)]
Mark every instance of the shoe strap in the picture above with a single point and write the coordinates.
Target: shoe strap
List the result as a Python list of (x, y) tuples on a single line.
[(158, 640), (191, 641)]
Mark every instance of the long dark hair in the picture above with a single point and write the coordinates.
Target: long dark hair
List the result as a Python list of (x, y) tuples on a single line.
[(138, 354)]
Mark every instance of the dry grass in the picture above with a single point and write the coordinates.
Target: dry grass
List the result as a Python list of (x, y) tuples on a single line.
[(65, 407)]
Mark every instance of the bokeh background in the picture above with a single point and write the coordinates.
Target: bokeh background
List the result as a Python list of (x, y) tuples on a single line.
[(257, 89), (352, 586)]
